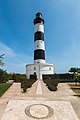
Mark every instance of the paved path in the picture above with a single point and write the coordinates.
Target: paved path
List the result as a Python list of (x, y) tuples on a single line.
[(39, 88), (39, 91), (13, 92)]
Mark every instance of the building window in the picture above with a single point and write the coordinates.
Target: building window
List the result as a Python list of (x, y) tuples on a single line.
[(37, 45), (34, 68), (49, 68), (41, 41)]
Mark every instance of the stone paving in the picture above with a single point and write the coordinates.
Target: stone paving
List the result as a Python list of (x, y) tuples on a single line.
[(32, 110), (14, 104), (39, 88)]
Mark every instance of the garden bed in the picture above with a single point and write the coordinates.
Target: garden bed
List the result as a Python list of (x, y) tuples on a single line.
[(4, 87), (76, 89)]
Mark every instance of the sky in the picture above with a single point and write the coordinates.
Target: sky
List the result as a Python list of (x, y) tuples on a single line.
[(62, 33)]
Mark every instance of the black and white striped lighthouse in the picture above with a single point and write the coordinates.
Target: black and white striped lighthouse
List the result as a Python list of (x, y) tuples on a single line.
[(39, 48), (39, 67)]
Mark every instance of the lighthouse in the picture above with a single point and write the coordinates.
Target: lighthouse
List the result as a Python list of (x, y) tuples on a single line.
[(39, 67), (39, 47)]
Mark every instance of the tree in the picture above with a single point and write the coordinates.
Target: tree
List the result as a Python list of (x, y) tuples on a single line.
[(1, 60), (73, 70), (17, 77), (77, 78), (78, 70), (3, 76)]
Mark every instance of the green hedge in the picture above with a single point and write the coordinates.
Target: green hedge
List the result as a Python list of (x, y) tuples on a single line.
[(52, 84), (17, 77), (4, 76), (62, 77), (51, 81), (50, 76), (25, 84)]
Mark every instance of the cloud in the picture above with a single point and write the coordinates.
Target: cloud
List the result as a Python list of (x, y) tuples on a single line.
[(14, 62), (4, 49)]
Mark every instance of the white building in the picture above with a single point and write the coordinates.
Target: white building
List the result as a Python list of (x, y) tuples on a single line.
[(39, 67)]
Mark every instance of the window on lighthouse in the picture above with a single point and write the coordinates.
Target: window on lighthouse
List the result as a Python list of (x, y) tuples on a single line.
[(49, 68), (37, 45), (34, 68), (41, 41)]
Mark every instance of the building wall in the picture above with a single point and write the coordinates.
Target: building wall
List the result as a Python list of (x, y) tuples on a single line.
[(39, 69), (39, 61)]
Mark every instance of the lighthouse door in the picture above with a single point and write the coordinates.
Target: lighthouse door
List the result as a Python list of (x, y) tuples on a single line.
[(35, 76)]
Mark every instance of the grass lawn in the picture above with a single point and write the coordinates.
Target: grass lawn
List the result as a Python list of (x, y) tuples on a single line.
[(4, 87), (76, 91), (75, 88)]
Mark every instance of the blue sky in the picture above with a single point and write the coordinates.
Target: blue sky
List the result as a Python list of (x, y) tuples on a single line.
[(62, 33)]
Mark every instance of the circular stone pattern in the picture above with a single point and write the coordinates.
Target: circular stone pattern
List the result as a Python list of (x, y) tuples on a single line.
[(39, 111)]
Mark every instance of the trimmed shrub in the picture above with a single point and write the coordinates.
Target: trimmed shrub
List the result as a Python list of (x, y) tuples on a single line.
[(52, 87), (52, 84), (25, 84)]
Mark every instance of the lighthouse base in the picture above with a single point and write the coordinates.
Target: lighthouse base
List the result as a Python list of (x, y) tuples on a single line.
[(39, 69)]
